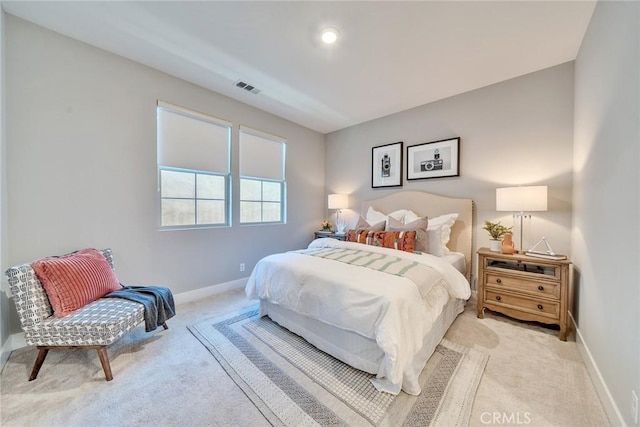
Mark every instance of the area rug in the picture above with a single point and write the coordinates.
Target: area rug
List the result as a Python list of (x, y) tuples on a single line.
[(294, 384)]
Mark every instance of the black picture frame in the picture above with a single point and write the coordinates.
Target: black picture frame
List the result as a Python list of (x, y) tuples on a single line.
[(386, 165), (437, 159)]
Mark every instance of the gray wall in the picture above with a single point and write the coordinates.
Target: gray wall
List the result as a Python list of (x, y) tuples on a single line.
[(515, 132), (81, 163), (606, 212), (4, 302)]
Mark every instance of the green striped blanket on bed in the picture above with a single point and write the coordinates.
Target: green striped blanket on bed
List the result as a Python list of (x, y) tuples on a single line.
[(412, 270)]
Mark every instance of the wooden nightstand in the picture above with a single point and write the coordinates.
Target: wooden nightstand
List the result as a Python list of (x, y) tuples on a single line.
[(524, 287), (321, 234)]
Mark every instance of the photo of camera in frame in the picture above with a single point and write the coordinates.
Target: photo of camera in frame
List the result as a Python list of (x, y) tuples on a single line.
[(432, 165), (386, 166)]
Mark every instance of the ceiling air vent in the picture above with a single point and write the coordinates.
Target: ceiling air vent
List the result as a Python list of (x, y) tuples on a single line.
[(246, 86)]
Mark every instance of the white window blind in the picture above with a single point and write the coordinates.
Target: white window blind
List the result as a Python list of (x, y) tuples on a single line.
[(193, 163), (191, 140), (262, 177), (261, 155)]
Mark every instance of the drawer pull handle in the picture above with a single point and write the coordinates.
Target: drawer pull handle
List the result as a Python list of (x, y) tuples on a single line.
[(498, 298), (498, 280), (541, 288), (540, 307)]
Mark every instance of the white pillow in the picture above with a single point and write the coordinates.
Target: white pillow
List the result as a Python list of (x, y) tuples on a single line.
[(362, 224), (410, 216), (373, 216), (439, 233)]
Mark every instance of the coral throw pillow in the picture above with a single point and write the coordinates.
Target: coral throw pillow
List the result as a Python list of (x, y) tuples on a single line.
[(401, 240), (419, 226), (74, 280)]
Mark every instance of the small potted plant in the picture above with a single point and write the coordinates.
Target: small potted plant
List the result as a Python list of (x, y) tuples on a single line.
[(497, 232), (325, 226)]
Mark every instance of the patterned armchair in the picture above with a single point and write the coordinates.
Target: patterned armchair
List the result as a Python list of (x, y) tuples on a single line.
[(93, 326)]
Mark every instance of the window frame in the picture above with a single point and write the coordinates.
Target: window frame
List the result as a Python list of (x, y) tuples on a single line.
[(283, 192), (195, 115), (283, 182), (195, 199)]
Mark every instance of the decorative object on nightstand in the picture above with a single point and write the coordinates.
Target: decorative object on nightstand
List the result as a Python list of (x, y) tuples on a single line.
[(325, 226), (520, 200), (547, 252), (524, 287), (496, 232), (507, 244), (338, 202)]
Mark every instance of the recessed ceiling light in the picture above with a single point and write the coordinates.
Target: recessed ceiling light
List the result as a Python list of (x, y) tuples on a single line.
[(329, 35)]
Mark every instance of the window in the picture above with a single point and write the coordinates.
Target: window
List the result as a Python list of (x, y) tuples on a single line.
[(193, 168), (262, 177)]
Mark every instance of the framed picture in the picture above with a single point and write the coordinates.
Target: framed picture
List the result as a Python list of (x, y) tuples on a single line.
[(386, 165), (436, 159)]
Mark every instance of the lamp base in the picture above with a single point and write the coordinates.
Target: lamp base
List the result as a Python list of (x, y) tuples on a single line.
[(520, 217)]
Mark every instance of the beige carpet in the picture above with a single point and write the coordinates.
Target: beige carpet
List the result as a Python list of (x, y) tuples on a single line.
[(293, 383), (168, 378)]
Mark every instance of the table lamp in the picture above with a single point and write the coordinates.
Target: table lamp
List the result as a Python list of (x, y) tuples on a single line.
[(338, 202), (520, 200)]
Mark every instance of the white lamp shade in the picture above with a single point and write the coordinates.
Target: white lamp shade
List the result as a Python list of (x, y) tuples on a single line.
[(522, 199), (338, 201)]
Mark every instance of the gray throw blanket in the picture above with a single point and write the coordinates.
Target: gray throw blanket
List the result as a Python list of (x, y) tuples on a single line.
[(158, 303)]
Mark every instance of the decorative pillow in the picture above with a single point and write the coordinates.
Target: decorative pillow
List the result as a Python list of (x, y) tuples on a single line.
[(364, 225), (373, 216), (419, 226), (410, 216), (439, 233), (74, 280), (401, 240)]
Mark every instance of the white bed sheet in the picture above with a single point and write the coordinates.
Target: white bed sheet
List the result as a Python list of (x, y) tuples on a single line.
[(457, 260), (313, 289)]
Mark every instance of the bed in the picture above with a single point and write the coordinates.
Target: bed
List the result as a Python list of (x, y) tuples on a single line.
[(385, 324)]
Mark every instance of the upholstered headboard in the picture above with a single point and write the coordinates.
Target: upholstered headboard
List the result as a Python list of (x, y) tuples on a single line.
[(432, 205)]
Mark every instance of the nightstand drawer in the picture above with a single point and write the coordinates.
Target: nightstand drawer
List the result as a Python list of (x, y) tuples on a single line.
[(533, 269), (531, 286), (522, 303)]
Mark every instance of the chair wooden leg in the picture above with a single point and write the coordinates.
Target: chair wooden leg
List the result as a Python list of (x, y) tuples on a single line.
[(42, 354), (104, 359), (165, 326)]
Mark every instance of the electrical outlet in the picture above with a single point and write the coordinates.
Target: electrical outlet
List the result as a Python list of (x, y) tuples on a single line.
[(242, 266), (634, 406)]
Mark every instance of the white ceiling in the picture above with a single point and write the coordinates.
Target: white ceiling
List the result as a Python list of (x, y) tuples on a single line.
[(390, 56)]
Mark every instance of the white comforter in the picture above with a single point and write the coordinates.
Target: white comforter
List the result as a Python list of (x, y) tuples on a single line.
[(392, 310)]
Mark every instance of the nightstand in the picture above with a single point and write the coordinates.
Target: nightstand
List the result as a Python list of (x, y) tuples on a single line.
[(524, 287), (321, 234)]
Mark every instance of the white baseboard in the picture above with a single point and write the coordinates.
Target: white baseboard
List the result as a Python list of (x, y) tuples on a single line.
[(609, 405), (4, 354), (198, 294), (14, 342), (17, 340)]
